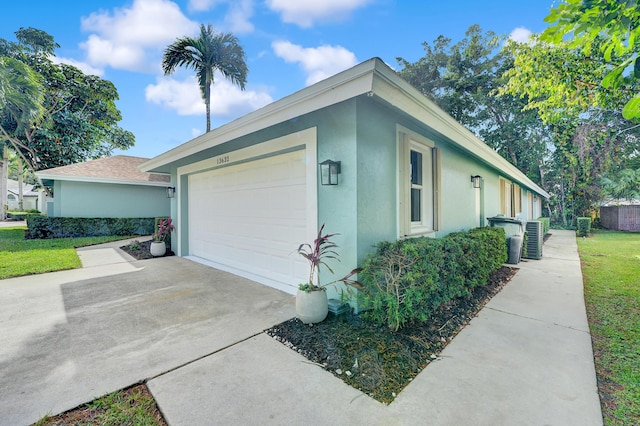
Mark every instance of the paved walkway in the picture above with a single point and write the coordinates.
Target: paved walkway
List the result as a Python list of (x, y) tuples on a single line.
[(195, 332), (12, 223), (526, 359)]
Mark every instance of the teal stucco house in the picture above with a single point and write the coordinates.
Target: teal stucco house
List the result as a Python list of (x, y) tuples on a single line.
[(106, 187), (249, 192)]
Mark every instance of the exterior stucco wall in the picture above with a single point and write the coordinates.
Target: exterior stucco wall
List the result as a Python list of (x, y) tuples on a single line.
[(377, 190), (377, 177), (28, 202), (458, 207), (89, 199)]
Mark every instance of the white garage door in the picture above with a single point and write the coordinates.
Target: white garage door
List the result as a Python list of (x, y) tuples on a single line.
[(250, 218)]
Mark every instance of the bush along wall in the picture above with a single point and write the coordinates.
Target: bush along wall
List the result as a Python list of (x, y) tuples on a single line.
[(545, 224), (407, 280), (23, 215), (73, 227), (584, 226)]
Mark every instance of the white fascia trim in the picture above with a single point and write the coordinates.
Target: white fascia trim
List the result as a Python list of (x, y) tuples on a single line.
[(402, 95), (341, 87), (91, 179)]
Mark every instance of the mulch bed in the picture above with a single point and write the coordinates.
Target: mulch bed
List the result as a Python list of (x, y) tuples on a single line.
[(142, 250), (376, 360)]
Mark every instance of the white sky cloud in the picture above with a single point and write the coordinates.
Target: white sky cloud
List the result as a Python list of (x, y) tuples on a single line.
[(237, 17), (520, 35), (123, 38), (82, 66), (318, 62), (227, 100), (305, 13)]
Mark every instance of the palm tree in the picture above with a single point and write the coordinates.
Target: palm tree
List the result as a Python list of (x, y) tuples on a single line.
[(209, 52)]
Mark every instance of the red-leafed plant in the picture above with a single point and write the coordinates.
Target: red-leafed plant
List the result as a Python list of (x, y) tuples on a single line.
[(317, 253), (164, 230)]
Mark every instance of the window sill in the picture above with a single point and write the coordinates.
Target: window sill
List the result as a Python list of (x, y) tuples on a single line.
[(416, 234)]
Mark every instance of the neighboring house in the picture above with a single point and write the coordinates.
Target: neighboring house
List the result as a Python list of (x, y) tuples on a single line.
[(250, 192), (31, 200), (107, 187)]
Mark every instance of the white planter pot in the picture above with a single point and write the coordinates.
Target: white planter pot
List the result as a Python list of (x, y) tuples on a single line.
[(311, 307), (158, 248)]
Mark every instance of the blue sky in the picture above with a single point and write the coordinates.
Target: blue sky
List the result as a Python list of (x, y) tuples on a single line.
[(290, 44)]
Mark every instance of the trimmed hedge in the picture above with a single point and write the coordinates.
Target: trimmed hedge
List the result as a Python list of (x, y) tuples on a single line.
[(22, 215), (407, 280), (584, 226), (545, 224), (73, 227)]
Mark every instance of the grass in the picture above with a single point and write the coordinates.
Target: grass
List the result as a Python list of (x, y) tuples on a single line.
[(19, 257), (611, 272), (131, 406)]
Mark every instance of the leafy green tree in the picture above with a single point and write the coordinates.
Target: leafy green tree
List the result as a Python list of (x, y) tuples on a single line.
[(464, 79), (78, 116), (558, 81), (21, 103), (208, 52), (585, 150), (610, 30), (590, 136), (625, 185)]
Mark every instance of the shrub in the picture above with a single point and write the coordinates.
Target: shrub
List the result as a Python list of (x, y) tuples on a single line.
[(23, 215), (72, 227), (545, 224), (407, 280), (584, 226)]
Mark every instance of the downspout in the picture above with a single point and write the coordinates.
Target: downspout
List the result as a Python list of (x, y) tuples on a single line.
[(482, 218)]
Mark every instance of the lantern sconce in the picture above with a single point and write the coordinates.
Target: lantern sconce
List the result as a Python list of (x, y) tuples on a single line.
[(476, 180), (171, 191), (329, 171)]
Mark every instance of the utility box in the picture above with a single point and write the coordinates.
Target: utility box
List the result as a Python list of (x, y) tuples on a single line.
[(535, 239), (514, 230)]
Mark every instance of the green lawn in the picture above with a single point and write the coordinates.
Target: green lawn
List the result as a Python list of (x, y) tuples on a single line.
[(611, 271), (20, 257)]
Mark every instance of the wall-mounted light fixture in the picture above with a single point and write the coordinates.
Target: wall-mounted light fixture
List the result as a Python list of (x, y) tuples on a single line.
[(475, 181), (171, 191), (329, 171)]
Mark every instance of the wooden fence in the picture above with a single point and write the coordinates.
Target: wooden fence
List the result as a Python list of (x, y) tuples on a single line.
[(621, 218)]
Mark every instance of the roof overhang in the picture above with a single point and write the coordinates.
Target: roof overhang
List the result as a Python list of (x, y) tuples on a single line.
[(51, 176), (371, 78)]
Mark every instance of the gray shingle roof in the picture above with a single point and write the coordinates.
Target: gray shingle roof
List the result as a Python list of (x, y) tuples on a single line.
[(13, 187), (118, 167)]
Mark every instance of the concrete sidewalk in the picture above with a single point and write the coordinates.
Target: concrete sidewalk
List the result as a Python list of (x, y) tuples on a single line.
[(526, 359)]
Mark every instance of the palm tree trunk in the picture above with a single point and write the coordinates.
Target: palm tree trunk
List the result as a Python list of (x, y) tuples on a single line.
[(207, 104), (20, 185), (4, 175)]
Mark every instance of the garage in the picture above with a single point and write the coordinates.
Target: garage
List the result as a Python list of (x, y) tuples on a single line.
[(249, 218)]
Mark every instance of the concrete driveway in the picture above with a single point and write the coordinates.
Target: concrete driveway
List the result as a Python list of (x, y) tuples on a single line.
[(68, 337)]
